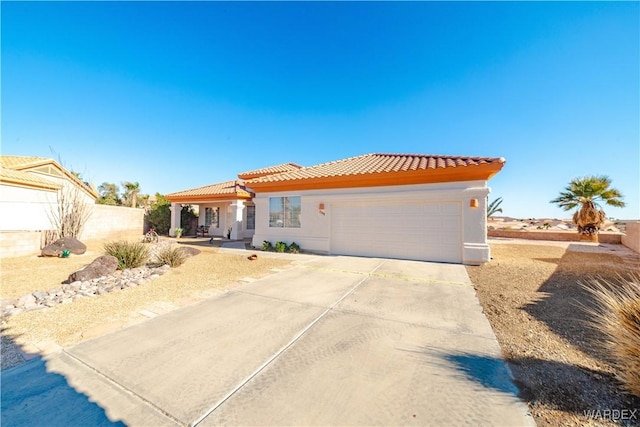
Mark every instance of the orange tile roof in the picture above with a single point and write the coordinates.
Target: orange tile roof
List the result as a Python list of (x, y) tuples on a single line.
[(227, 190), (381, 169), (257, 173)]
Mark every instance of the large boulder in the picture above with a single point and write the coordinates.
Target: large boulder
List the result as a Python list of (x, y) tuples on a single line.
[(188, 251), (71, 244), (101, 266)]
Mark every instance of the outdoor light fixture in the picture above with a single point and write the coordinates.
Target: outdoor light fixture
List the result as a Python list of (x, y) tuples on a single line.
[(321, 208), (473, 203)]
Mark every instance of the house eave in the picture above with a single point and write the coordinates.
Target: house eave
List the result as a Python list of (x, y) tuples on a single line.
[(25, 184), (207, 198), (423, 176)]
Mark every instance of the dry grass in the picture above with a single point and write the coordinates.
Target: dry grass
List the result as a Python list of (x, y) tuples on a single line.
[(25, 274), (199, 277), (617, 317), (532, 296)]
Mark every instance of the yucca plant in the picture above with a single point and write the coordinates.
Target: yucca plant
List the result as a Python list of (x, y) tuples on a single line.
[(173, 257), (617, 317), (129, 254)]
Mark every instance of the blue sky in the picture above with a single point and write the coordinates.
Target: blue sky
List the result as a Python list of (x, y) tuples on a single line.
[(177, 95)]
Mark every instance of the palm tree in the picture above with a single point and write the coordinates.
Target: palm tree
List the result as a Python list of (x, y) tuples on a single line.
[(494, 207), (131, 192), (586, 192)]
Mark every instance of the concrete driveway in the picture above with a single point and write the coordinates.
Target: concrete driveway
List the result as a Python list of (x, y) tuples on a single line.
[(333, 341)]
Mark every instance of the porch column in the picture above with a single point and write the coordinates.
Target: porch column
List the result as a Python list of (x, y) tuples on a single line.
[(237, 213), (176, 208)]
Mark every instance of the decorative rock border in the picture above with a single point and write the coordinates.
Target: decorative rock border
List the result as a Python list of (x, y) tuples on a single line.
[(67, 293)]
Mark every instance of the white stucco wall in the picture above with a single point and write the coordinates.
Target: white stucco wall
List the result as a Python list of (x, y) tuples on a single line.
[(26, 208), (315, 231)]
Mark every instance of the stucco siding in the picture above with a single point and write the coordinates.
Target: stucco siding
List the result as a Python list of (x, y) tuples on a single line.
[(25, 208), (316, 223)]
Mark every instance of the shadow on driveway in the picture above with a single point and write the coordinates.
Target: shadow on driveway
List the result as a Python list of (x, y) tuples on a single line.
[(33, 396)]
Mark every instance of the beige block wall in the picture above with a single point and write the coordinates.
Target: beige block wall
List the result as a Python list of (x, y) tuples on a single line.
[(632, 237), (110, 222), (105, 222), (563, 236), (19, 243)]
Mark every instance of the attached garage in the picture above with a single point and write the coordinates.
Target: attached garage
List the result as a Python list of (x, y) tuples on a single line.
[(417, 231), (405, 206)]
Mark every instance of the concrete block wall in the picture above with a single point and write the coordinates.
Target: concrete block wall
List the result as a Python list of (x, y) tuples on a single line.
[(112, 222), (105, 222), (632, 237), (563, 236), (19, 243)]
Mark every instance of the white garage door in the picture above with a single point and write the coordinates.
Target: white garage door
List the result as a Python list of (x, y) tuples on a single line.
[(421, 231)]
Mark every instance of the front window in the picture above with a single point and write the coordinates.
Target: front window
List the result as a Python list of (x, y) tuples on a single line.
[(212, 217), (284, 212)]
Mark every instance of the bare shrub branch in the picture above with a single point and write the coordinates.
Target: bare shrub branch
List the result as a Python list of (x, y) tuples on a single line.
[(71, 212)]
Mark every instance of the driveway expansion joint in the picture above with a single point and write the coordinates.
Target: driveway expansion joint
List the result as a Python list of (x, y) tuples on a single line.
[(122, 387), (277, 354), (386, 319), (306, 304), (389, 276)]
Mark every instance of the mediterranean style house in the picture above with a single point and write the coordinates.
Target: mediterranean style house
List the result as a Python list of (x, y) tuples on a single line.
[(406, 206)]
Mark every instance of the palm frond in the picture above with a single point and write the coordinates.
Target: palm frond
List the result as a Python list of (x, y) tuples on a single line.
[(493, 207), (589, 189)]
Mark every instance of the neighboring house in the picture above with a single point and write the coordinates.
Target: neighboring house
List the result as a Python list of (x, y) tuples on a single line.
[(29, 191), (405, 206)]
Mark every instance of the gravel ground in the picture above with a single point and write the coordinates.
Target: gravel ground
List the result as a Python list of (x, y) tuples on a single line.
[(531, 295), (530, 292), (36, 332)]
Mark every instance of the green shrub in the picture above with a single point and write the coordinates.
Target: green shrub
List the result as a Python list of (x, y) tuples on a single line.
[(187, 217), (267, 246), (617, 317), (173, 257), (130, 255), (294, 248), (281, 247), (159, 215)]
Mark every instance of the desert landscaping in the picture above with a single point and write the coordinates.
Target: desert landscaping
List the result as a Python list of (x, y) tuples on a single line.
[(533, 297), (40, 331), (532, 293), (546, 224)]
